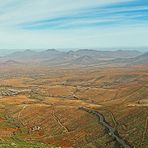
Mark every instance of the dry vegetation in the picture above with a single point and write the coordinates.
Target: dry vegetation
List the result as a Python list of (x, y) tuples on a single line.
[(39, 107)]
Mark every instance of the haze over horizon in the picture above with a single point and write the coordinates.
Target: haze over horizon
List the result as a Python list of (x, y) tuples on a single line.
[(35, 24), (4, 52)]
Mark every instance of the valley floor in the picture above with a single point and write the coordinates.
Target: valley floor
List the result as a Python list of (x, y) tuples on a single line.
[(40, 107)]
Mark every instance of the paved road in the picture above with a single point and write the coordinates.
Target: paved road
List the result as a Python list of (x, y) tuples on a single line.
[(111, 131)]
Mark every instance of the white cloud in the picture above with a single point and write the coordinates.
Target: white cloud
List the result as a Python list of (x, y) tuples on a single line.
[(16, 12)]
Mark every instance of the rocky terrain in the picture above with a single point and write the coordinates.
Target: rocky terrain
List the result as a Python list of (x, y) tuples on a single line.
[(40, 106)]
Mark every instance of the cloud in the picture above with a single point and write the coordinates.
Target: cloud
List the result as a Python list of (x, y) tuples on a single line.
[(73, 23), (16, 11), (117, 13)]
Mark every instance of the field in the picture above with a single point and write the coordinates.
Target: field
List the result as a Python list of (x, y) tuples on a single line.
[(39, 107)]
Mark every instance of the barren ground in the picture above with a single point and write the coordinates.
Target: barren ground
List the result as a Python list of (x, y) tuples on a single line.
[(39, 107)]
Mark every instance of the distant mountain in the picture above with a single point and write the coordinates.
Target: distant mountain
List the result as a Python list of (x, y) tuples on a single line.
[(10, 63), (108, 54), (22, 55), (84, 60), (140, 60), (49, 54), (4, 52), (53, 57), (34, 55)]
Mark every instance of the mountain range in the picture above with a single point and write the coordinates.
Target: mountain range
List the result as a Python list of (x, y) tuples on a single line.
[(83, 57)]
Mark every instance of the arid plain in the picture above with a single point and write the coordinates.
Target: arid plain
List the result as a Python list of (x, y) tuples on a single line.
[(40, 107)]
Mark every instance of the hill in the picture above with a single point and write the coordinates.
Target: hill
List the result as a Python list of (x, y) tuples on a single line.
[(140, 60), (79, 58)]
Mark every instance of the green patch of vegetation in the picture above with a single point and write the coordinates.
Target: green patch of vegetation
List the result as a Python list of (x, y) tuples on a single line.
[(145, 142), (24, 144), (90, 145), (8, 122), (16, 142), (4, 123), (2, 115), (36, 96)]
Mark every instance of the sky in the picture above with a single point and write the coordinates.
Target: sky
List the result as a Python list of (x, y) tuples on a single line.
[(38, 24)]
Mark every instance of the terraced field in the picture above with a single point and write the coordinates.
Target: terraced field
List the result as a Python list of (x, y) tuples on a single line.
[(40, 107)]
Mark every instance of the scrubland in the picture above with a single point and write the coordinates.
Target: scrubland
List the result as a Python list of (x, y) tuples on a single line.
[(39, 107)]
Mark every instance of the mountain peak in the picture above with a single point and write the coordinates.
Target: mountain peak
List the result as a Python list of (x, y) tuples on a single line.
[(28, 50), (51, 50)]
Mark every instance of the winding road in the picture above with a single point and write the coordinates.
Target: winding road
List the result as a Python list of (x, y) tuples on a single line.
[(111, 131)]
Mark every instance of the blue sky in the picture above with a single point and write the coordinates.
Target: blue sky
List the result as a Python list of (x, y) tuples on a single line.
[(73, 23)]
